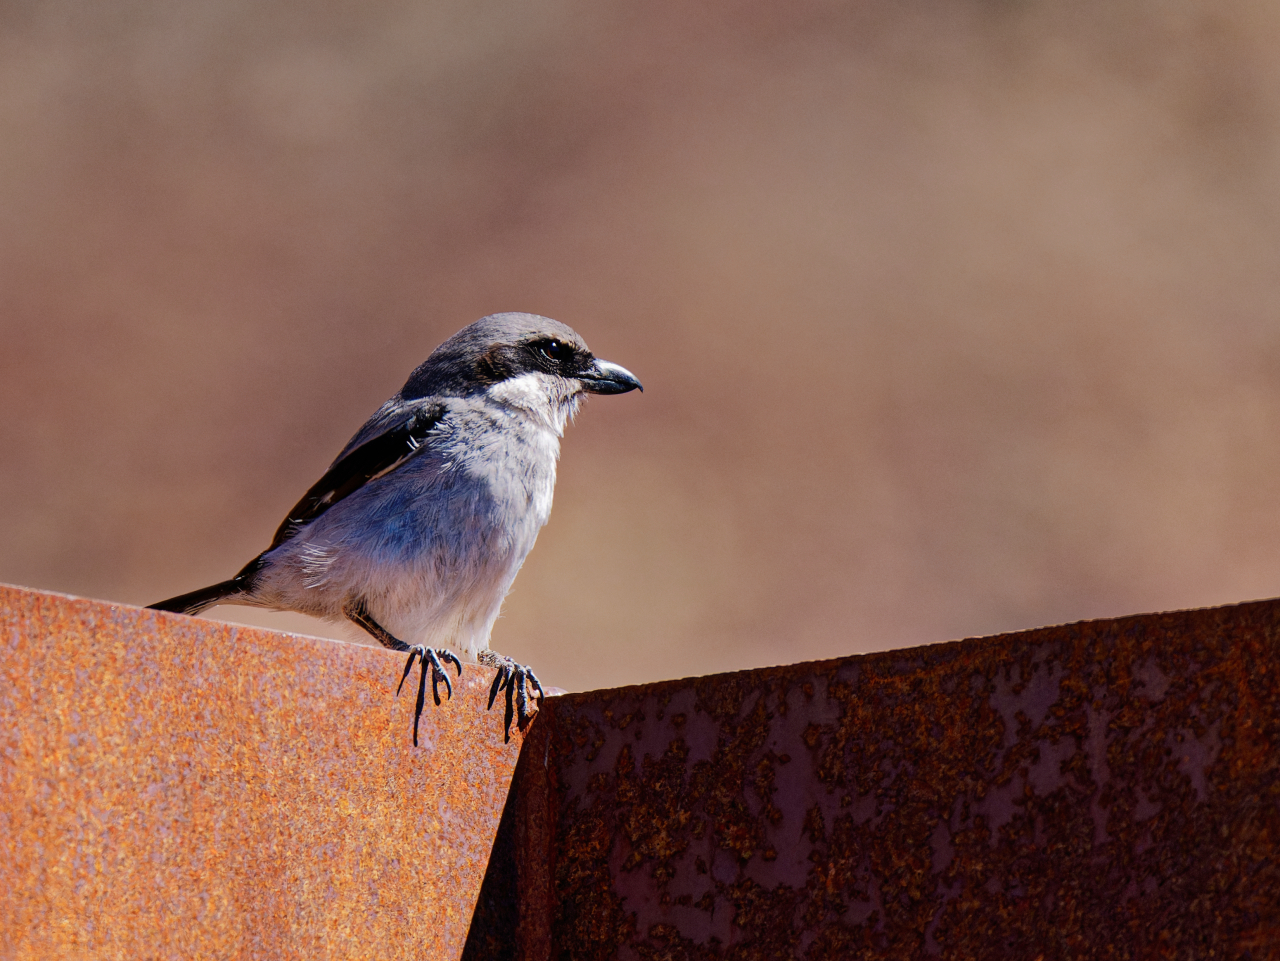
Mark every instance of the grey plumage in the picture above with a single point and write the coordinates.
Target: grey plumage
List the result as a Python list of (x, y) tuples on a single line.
[(419, 527)]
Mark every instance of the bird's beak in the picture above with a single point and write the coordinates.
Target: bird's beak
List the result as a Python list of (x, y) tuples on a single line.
[(603, 377)]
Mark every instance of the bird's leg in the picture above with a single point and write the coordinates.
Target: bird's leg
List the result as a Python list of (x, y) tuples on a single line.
[(359, 614), (512, 678)]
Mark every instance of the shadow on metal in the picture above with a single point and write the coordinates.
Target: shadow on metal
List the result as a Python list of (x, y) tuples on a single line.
[(495, 924)]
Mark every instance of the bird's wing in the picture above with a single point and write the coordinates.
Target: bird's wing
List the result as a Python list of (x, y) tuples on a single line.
[(399, 440)]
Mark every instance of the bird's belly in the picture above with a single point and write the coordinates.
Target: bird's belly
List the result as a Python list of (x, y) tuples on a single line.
[(443, 584), (432, 555)]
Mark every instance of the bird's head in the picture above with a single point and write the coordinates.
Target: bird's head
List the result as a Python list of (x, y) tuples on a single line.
[(523, 361)]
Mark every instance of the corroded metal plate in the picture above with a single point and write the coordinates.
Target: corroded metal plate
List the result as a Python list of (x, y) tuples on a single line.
[(1108, 789), (172, 787)]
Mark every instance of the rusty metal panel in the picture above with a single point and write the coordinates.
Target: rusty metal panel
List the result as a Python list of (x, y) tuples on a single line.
[(178, 788), (1098, 790)]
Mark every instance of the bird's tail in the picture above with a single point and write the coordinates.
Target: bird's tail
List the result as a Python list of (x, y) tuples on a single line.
[(197, 601)]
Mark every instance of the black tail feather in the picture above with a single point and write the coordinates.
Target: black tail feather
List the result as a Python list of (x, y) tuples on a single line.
[(197, 601)]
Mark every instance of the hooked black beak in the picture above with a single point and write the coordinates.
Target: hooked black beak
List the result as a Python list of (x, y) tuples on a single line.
[(603, 377)]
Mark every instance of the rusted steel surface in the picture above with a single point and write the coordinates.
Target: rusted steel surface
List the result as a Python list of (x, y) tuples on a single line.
[(1098, 790), (179, 788)]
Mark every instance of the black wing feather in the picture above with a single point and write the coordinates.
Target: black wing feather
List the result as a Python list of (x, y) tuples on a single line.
[(371, 459)]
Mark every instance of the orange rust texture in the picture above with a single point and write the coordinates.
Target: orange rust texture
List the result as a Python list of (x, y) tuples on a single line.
[(1098, 790), (178, 788)]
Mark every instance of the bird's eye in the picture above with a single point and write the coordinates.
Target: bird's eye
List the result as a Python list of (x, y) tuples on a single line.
[(555, 350)]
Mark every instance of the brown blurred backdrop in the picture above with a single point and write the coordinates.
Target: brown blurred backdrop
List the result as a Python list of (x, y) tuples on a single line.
[(953, 317)]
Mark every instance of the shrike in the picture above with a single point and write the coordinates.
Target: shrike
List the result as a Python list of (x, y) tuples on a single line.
[(418, 529)]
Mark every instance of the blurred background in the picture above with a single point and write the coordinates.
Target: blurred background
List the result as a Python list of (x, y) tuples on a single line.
[(953, 317)]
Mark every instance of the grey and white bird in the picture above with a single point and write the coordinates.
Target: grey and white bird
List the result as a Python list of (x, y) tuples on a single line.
[(418, 529)]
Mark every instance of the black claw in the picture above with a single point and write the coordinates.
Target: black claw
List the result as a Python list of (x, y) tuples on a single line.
[(513, 679), (408, 666), (494, 688), (433, 661), (422, 699), (536, 683), (507, 715), (439, 674), (523, 714), (356, 610), (522, 703), (450, 658)]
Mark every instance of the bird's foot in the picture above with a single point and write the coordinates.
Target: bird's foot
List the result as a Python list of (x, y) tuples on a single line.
[(514, 679), (436, 660)]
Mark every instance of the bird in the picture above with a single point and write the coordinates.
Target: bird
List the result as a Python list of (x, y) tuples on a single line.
[(417, 530)]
